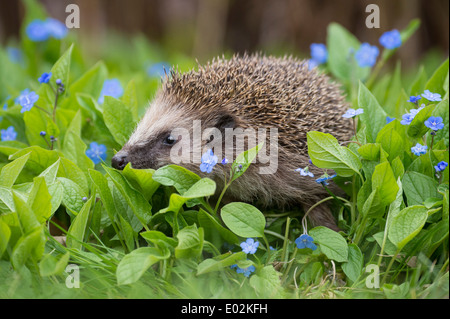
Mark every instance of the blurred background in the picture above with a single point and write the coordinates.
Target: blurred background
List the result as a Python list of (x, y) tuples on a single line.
[(204, 28)]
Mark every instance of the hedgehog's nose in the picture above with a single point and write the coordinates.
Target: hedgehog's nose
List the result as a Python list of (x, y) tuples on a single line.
[(119, 161)]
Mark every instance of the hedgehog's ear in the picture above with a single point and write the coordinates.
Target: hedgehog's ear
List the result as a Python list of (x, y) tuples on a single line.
[(225, 120)]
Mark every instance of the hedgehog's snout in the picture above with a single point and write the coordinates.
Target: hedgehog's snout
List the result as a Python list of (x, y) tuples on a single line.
[(120, 160)]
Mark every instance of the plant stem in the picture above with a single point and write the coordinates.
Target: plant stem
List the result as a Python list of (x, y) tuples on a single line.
[(286, 239), (389, 267)]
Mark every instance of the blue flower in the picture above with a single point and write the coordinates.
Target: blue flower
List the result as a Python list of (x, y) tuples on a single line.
[(96, 152), (56, 28), (224, 161), (312, 64), (27, 100), (391, 39), (352, 113), (419, 149), (389, 119), (305, 241), (435, 123), (39, 30), (414, 99), (366, 56), (246, 271), (110, 88), (430, 96), (304, 171), (249, 246), (324, 179), (408, 117), (9, 134), (319, 52), (440, 166), (209, 160), (15, 55), (158, 69), (45, 77)]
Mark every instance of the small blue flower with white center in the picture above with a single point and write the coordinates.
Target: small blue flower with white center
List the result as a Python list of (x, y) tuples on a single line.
[(435, 123), (391, 39), (419, 149), (9, 134), (304, 171), (352, 113), (209, 160), (432, 97), (319, 52), (56, 28), (414, 99), (408, 117), (366, 56), (110, 88), (27, 100), (45, 77), (249, 246), (305, 241), (224, 161), (246, 271), (440, 166), (96, 152)]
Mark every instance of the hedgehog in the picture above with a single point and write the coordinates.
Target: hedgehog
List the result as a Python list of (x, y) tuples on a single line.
[(245, 94)]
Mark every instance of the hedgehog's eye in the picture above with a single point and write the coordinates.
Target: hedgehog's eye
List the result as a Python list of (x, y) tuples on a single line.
[(169, 140)]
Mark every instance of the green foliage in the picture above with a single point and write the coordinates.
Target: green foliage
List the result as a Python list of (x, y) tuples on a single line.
[(163, 234)]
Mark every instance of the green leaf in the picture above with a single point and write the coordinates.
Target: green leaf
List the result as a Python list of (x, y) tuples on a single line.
[(442, 110), (383, 178), (11, 171), (77, 229), (244, 159), (406, 225), (90, 82), (50, 265), (353, 268), (243, 219), (75, 150), (325, 152), (417, 127), (419, 187), (177, 176), (118, 118), (40, 158), (190, 242), (393, 140), (158, 238), (72, 194), (373, 206), (220, 262), (135, 264), (5, 235), (266, 282), (105, 193), (331, 243), (436, 83), (340, 42), (28, 220), (419, 83), (141, 179), (130, 99), (29, 246), (213, 229), (40, 200), (374, 117)]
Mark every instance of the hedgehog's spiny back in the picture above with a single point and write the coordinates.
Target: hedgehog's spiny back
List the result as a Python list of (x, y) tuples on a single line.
[(265, 92)]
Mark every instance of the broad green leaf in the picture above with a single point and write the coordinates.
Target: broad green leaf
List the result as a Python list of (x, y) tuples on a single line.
[(393, 140), (243, 219), (141, 179), (354, 266), (75, 150), (127, 233), (69, 170), (39, 200), (406, 225), (419, 82), (105, 193), (35, 122), (220, 262), (5, 234), (374, 206), (266, 282), (213, 229), (325, 152), (118, 118), (51, 172), (91, 82), (158, 238), (190, 242), (28, 246), (340, 44), (374, 117), (72, 194), (383, 178), (419, 187), (51, 265), (331, 243), (11, 171), (130, 99), (177, 176), (77, 229), (135, 264), (27, 218), (39, 159), (442, 110), (436, 83)]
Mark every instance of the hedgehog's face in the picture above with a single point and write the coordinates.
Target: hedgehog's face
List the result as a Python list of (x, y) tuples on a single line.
[(166, 135)]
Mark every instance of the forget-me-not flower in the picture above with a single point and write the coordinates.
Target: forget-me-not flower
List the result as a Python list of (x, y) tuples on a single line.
[(367, 54), (414, 99), (8, 134), (96, 152), (391, 39), (45, 77), (419, 149), (305, 241), (249, 246), (352, 113), (209, 160), (304, 171), (440, 166), (110, 88), (27, 100), (435, 123), (430, 96)]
